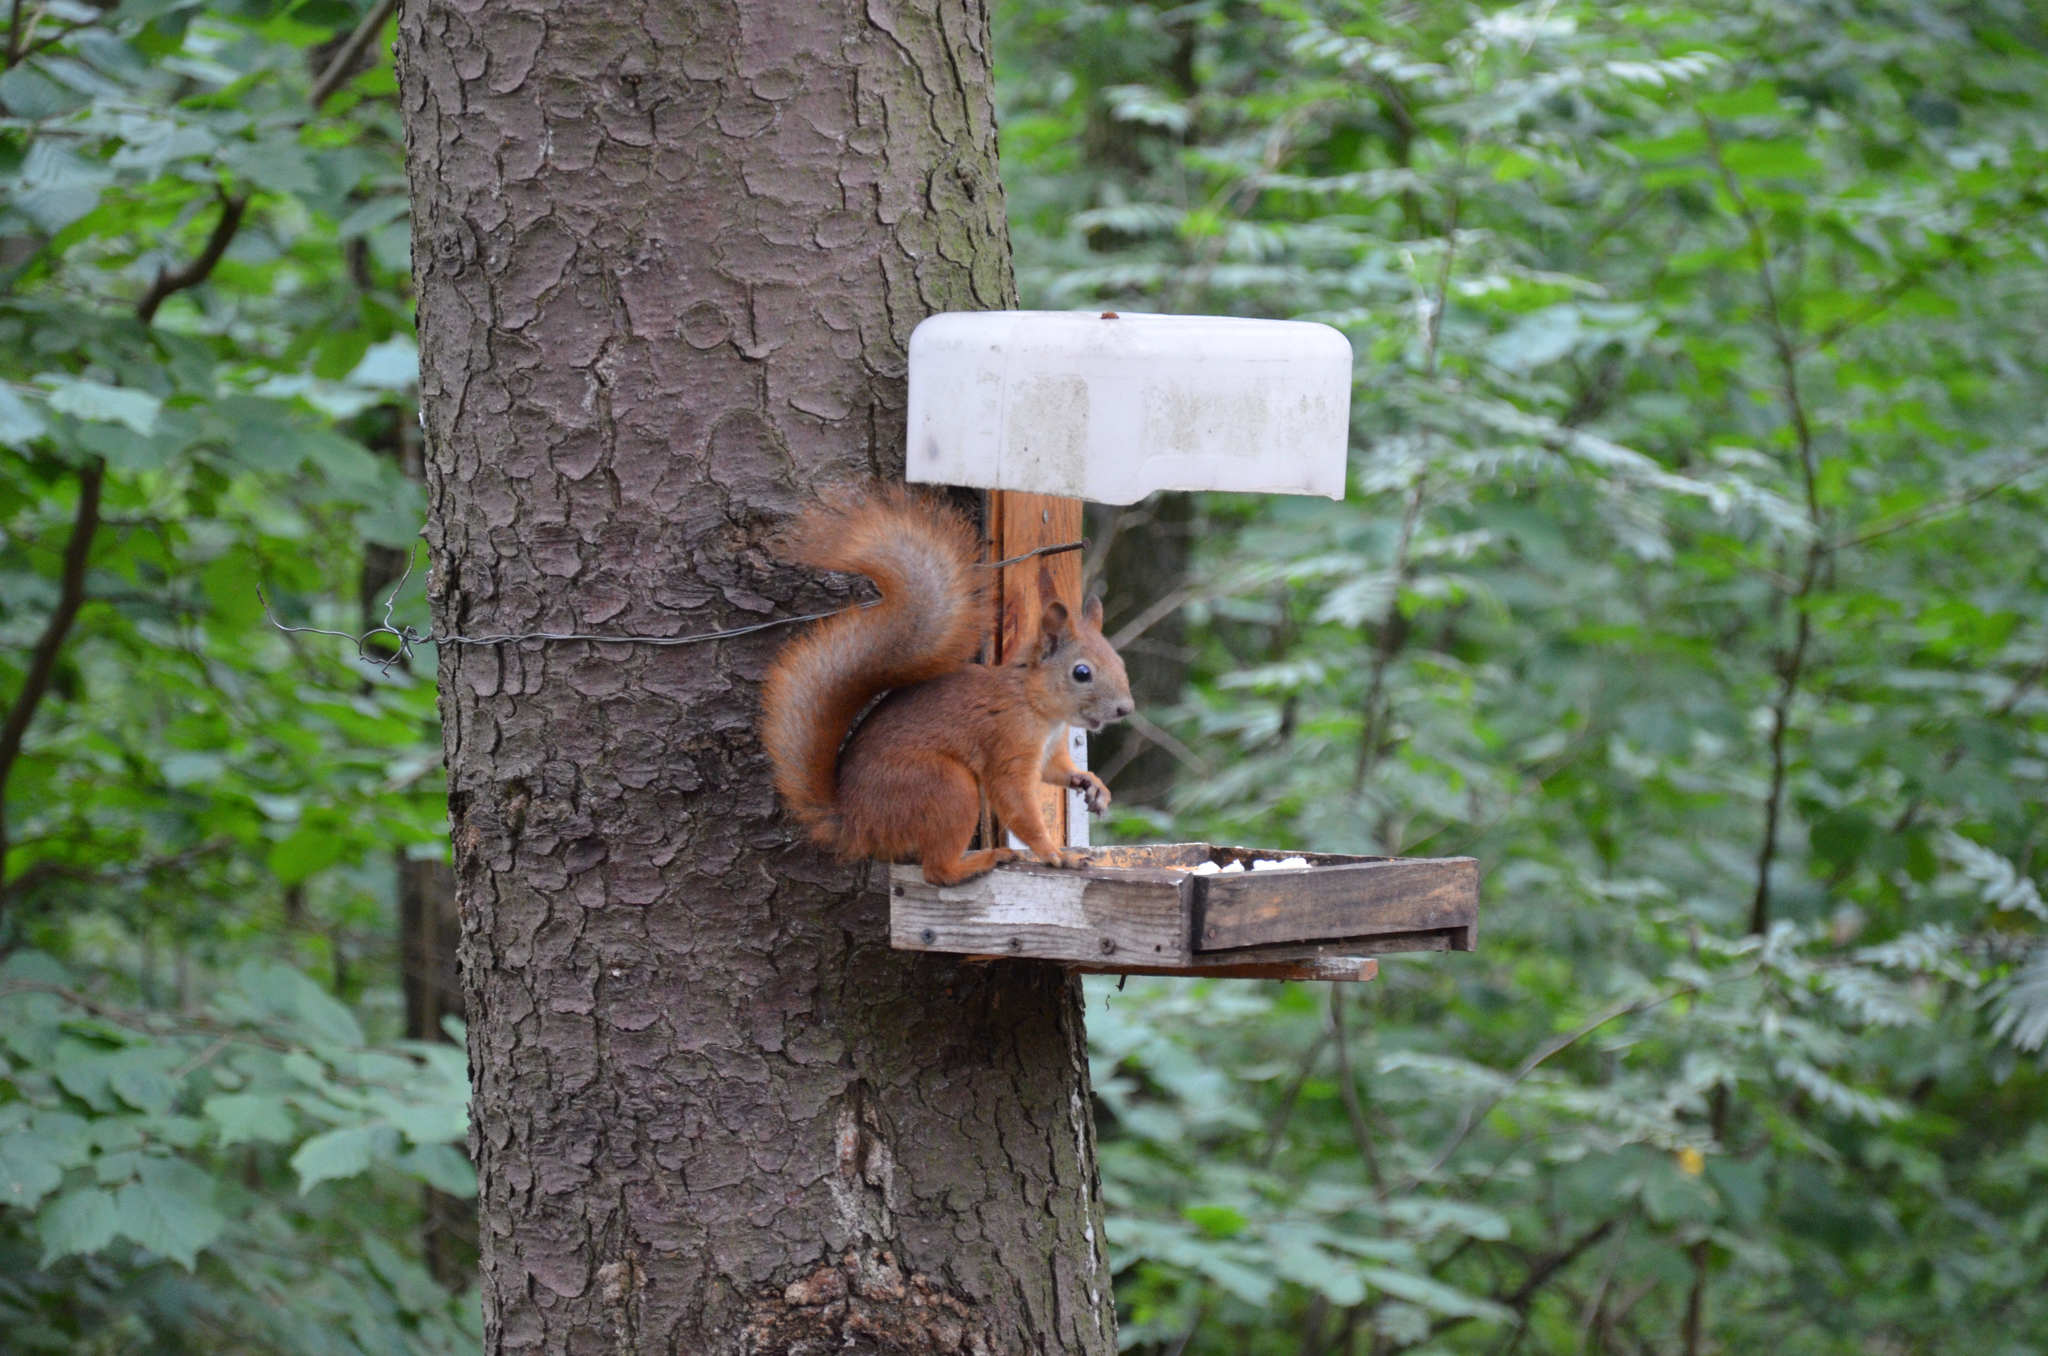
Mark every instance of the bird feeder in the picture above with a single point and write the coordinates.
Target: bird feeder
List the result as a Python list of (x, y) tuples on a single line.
[(1043, 409)]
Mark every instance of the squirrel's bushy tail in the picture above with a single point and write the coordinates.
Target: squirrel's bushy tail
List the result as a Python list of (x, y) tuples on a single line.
[(921, 555)]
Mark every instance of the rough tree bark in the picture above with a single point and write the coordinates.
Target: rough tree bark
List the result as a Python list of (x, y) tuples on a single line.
[(668, 258)]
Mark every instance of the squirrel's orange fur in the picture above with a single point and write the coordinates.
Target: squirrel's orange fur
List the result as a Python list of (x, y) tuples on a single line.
[(905, 787)]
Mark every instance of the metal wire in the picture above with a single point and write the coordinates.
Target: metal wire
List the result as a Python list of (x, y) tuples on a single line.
[(407, 636)]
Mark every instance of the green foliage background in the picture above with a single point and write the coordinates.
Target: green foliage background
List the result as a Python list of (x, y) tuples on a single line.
[(1692, 577)]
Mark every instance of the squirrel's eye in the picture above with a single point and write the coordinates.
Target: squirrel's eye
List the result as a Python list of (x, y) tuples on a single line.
[(1082, 673)]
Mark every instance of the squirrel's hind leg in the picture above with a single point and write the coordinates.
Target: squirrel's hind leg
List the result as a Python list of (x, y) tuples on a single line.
[(946, 824)]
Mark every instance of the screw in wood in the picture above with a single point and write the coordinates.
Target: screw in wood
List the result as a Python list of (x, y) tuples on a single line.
[(1016, 944), (1108, 945), (928, 936)]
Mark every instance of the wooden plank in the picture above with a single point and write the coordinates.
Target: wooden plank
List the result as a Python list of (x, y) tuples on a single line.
[(1147, 856), (1017, 523), (1382, 944), (1322, 969), (1326, 969), (1353, 900), (1044, 912)]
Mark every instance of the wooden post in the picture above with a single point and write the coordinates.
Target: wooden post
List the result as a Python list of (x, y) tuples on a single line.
[(1019, 522)]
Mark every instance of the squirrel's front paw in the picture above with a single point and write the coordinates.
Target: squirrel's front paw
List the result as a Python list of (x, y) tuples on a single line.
[(1094, 794), (1069, 858)]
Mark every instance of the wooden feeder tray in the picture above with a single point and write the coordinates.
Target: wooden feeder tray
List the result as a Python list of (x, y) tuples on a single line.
[(1143, 911)]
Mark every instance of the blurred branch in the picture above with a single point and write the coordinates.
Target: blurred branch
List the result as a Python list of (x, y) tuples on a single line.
[(51, 869), (45, 43), (168, 283), (1938, 510), (1278, 1125), (2022, 685), (2025, 203), (1476, 1113), (42, 662), (14, 34), (343, 67), (1151, 616), (1540, 1274), (1791, 664), (1347, 1085), (1385, 645), (85, 524), (153, 1022), (1159, 736)]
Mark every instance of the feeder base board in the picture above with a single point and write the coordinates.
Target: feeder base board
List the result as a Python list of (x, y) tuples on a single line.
[(1145, 910)]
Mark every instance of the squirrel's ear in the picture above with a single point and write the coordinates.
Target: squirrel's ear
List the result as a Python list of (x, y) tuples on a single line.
[(1052, 628), (1091, 611)]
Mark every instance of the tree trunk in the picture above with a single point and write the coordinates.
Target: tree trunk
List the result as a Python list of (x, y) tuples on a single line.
[(668, 258)]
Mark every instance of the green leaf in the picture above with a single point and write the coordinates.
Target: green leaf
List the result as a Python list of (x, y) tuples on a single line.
[(1334, 1277), (1741, 1185), (303, 853), (1748, 102), (1674, 1197), (266, 992), (1217, 1221), (82, 1220), (431, 1122), (19, 420), (33, 1155), (340, 1153), (1434, 1295), (443, 1167), (249, 1117), (1770, 159), (393, 365), (169, 1210), (134, 410)]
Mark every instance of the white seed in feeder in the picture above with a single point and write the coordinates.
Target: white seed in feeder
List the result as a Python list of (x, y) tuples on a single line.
[(1283, 864)]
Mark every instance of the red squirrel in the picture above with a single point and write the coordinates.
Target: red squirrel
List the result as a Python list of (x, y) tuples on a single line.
[(905, 786)]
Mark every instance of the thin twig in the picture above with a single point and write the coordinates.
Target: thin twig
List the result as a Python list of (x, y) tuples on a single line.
[(343, 67), (44, 44), (1385, 645), (1593, 1313), (85, 524), (1347, 1085), (1278, 1125), (408, 636), (1792, 663), (2022, 685), (42, 664), (1539, 1275), (151, 1022), (1474, 1114), (54, 869), (1932, 511), (169, 282), (1161, 609), (14, 34)]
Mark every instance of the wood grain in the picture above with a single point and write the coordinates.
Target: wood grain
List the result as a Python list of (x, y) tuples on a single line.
[(1351, 900), (1139, 909), (1020, 522), (1043, 912), (1323, 969)]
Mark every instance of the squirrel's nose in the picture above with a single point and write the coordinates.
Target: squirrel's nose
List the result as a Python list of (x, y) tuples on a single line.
[(1124, 709)]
